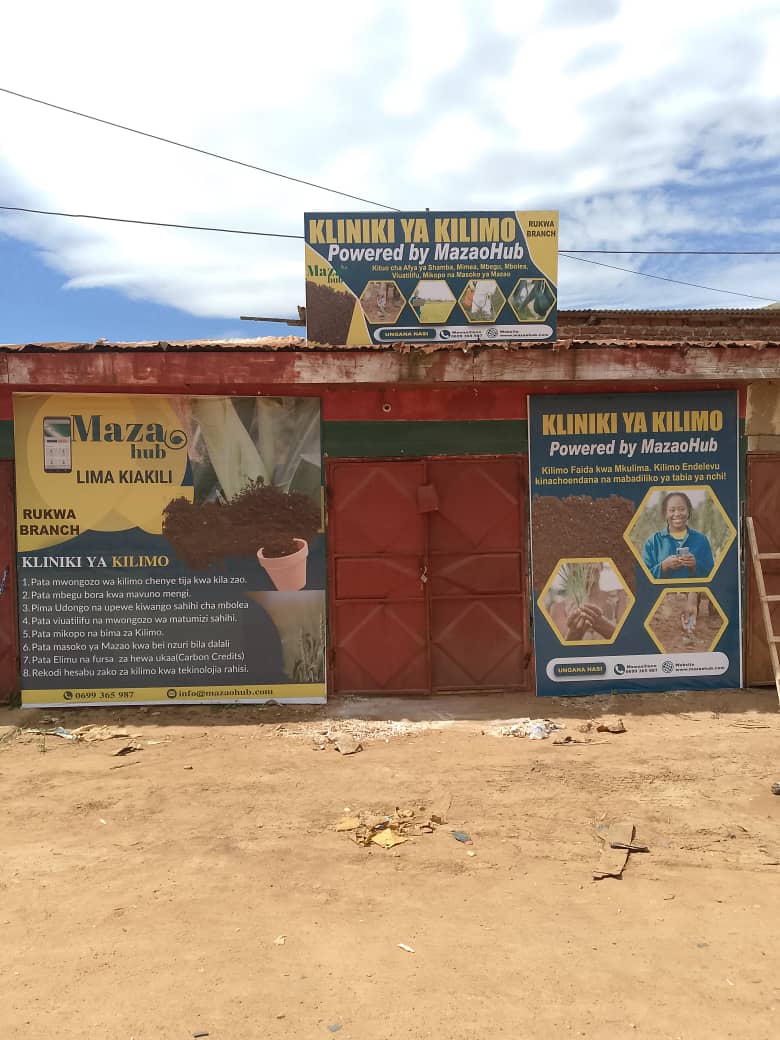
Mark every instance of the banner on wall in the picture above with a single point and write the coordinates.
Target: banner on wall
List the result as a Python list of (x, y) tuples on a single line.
[(170, 549), (431, 277), (634, 542)]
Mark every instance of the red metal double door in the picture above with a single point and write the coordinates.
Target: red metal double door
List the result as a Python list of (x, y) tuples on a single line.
[(427, 575)]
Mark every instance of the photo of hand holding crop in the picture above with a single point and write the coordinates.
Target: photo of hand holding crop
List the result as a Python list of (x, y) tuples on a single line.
[(586, 601)]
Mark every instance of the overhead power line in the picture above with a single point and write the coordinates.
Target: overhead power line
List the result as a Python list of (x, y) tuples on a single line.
[(193, 148), (662, 278), (148, 223), (680, 252), (279, 234)]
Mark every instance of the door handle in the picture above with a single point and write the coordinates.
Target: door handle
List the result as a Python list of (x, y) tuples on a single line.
[(423, 573), (3, 581)]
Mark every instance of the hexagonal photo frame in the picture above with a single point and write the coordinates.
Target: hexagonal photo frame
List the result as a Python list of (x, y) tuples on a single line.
[(586, 601), (432, 301), (382, 302), (481, 300), (532, 299), (680, 534), (686, 621)]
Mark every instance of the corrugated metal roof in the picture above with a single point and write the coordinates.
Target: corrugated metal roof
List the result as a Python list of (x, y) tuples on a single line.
[(576, 328)]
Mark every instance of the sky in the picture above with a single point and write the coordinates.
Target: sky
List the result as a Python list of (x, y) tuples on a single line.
[(648, 126)]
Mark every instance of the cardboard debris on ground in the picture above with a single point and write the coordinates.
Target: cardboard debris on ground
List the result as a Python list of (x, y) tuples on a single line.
[(390, 829), (348, 746), (611, 726), (388, 838), (349, 823), (619, 843), (91, 734)]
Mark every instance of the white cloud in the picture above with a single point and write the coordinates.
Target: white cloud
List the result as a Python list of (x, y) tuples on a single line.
[(649, 126)]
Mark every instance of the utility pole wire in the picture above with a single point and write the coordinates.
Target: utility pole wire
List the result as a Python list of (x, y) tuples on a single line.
[(277, 234), (193, 148), (148, 223), (679, 252), (661, 278)]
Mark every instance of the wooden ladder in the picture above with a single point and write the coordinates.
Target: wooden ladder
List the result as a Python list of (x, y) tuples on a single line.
[(771, 639)]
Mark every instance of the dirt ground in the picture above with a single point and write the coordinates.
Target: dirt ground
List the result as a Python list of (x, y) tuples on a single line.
[(670, 633), (144, 897)]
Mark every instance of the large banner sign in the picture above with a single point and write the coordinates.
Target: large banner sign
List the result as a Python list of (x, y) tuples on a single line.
[(170, 549), (634, 542), (431, 277)]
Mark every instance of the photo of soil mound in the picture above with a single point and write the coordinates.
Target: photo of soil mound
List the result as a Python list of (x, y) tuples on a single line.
[(676, 636), (328, 314), (260, 516), (580, 526)]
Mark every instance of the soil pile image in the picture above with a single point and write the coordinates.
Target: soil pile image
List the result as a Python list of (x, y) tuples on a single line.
[(580, 526), (260, 516), (669, 628), (328, 314)]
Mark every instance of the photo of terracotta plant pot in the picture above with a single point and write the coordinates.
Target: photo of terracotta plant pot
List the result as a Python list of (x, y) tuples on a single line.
[(287, 572), (204, 534)]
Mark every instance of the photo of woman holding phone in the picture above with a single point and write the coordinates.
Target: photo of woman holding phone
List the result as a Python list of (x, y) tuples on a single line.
[(677, 551)]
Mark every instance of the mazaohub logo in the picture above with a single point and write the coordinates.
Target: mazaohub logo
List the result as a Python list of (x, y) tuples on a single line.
[(94, 428)]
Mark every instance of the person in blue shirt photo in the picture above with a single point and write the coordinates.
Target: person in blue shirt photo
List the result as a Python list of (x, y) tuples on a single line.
[(678, 551)]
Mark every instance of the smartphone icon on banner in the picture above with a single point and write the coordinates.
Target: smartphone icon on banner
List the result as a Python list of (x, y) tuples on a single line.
[(57, 440)]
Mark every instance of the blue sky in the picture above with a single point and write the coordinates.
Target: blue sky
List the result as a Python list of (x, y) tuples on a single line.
[(35, 308), (649, 126)]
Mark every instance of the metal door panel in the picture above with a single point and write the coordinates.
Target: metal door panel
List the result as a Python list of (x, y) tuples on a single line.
[(428, 588), (378, 620), (374, 507), (477, 643), (366, 577), (475, 574), (382, 648), (479, 507)]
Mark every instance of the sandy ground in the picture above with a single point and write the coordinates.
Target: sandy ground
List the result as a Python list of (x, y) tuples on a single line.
[(142, 896)]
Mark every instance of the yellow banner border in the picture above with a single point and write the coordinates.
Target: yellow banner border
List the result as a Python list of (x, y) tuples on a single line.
[(282, 693)]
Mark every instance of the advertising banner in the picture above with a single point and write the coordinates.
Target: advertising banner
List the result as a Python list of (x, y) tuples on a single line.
[(431, 277), (634, 542), (170, 549)]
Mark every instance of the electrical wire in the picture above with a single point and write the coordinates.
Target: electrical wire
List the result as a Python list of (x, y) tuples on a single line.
[(193, 148), (334, 191), (148, 223), (662, 278), (679, 252), (278, 234)]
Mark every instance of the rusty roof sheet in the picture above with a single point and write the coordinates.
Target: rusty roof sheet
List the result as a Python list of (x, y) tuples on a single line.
[(750, 327), (271, 344)]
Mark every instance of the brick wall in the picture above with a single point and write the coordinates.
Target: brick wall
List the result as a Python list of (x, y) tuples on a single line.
[(680, 326)]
